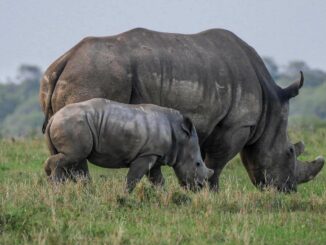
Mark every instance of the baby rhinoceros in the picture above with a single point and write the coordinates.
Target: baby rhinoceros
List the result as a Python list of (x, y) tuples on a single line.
[(115, 135)]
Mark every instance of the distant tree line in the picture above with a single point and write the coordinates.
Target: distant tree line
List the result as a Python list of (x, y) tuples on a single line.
[(313, 77), (310, 105), (20, 113)]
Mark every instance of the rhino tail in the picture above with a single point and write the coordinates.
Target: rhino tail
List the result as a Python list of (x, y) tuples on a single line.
[(49, 142), (51, 77)]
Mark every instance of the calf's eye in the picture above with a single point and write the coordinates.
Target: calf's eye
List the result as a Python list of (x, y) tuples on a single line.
[(198, 164)]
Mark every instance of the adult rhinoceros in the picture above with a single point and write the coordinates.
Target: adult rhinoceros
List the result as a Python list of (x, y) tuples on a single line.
[(213, 77)]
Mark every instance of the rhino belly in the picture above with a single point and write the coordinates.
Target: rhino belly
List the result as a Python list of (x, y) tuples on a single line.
[(107, 160)]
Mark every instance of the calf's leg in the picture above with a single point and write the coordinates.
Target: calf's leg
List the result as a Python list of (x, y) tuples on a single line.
[(138, 169), (73, 171), (155, 175), (59, 167), (79, 171)]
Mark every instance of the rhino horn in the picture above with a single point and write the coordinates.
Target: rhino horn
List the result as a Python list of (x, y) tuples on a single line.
[(306, 171), (299, 148), (293, 90)]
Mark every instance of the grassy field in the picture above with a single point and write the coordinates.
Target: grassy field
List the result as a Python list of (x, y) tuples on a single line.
[(34, 212)]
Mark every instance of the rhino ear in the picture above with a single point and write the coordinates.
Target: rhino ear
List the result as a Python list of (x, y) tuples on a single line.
[(187, 126), (299, 148), (293, 90)]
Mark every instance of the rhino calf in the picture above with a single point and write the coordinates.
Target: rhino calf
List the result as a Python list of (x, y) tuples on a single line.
[(115, 135)]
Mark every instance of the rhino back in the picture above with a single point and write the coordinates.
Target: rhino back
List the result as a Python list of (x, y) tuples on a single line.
[(123, 132), (208, 76)]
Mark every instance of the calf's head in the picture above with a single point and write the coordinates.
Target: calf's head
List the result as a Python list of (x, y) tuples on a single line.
[(272, 159), (189, 165)]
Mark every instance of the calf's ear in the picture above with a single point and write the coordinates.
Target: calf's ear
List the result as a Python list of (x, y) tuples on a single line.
[(187, 126)]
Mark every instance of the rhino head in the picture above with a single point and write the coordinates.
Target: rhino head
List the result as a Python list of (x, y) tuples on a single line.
[(272, 159), (189, 166)]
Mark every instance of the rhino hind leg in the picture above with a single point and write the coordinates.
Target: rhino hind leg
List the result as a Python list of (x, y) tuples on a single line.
[(79, 171), (60, 168), (53, 168), (155, 176), (222, 148)]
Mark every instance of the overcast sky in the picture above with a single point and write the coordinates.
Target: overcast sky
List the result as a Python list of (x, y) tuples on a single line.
[(38, 31)]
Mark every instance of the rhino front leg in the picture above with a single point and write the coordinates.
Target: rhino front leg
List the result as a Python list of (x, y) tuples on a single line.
[(138, 169), (222, 148), (155, 175)]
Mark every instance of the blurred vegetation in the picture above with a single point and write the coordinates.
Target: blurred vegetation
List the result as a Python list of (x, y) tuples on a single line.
[(309, 108), (20, 113)]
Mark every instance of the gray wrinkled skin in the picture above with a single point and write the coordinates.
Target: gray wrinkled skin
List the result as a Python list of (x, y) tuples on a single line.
[(115, 135), (212, 77)]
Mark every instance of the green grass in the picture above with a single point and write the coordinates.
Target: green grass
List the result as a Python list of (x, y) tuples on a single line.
[(34, 212)]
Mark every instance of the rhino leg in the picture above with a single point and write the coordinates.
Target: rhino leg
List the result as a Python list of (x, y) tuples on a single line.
[(222, 148), (71, 172), (60, 168), (79, 171), (54, 168), (155, 176), (47, 165), (138, 169)]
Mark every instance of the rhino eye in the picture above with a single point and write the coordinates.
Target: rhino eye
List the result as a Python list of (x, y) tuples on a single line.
[(198, 164)]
